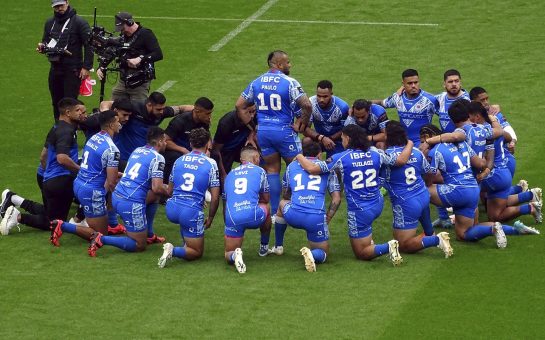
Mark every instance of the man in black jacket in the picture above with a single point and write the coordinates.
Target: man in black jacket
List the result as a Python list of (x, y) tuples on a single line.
[(136, 62), (65, 42)]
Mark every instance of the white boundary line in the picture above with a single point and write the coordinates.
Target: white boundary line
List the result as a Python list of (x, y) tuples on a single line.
[(319, 22), (217, 46), (166, 86)]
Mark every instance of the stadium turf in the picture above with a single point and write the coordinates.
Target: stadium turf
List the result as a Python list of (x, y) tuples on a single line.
[(481, 292)]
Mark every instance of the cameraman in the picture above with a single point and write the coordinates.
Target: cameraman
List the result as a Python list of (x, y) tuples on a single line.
[(64, 36), (137, 61)]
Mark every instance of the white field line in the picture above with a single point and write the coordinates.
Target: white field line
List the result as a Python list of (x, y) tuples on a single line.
[(223, 41), (166, 86), (318, 22)]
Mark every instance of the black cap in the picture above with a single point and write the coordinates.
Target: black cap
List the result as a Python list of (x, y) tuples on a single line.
[(122, 18)]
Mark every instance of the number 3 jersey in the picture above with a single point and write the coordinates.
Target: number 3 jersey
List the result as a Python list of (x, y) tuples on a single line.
[(308, 191), (405, 182), (192, 174), (241, 191), (143, 165), (360, 171), (99, 153)]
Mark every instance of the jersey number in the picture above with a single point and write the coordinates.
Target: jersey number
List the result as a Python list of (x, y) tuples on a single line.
[(241, 186), (370, 175), (84, 161), (188, 182), (275, 102), (133, 171), (461, 166), (410, 175), (313, 183)]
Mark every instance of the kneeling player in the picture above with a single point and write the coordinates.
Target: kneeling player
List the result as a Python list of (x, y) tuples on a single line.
[(246, 192), (192, 174), (141, 182), (306, 208), (409, 196)]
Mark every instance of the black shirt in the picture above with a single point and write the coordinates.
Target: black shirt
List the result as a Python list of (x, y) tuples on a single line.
[(61, 139), (74, 38), (232, 132), (179, 128), (142, 43)]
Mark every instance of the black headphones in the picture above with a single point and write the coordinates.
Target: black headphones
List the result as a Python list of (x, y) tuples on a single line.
[(129, 21)]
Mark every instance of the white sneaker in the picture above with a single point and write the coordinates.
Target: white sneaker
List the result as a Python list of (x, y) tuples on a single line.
[(524, 229), (273, 219), (537, 211), (167, 255), (444, 244), (537, 195), (9, 221), (501, 240), (310, 265), (277, 250), (82, 223), (523, 184), (393, 248), (239, 263)]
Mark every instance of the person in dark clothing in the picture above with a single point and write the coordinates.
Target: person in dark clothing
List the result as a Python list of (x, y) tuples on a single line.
[(65, 43), (137, 64)]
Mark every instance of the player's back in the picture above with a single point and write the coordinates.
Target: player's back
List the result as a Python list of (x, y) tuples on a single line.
[(274, 94), (444, 102), (476, 137), (454, 162), (144, 164), (192, 174), (242, 188), (404, 182), (360, 171), (308, 191), (99, 153)]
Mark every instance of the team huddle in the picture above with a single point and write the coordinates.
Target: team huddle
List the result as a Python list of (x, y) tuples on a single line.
[(466, 160)]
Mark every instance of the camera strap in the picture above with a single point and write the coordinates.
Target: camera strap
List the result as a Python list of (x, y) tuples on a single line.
[(64, 27)]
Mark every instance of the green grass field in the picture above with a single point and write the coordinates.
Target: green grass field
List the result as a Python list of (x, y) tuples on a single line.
[(481, 292)]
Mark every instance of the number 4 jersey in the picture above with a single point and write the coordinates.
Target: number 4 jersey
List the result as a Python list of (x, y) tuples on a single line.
[(144, 164)]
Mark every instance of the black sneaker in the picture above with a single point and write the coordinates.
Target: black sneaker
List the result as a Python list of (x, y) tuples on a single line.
[(6, 201)]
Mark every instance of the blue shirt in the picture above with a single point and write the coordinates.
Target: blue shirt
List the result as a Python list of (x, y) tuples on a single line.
[(308, 191), (192, 174), (444, 102), (404, 182), (360, 171), (99, 153), (454, 163), (242, 188), (476, 137), (275, 95), (375, 123), (331, 120), (143, 165), (413, 113)]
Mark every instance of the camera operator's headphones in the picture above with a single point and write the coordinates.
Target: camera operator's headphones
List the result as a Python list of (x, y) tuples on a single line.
[(129, 22)]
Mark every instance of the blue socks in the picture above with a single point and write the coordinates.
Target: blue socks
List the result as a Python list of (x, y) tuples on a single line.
[(112, 218), (525, 209), (68, 227), (151, 209), (232, 258), (124, 242), (442, 212), (525, 196), (179, 252), (508, 230), (319, 255), (430, 241), (515, 189), (280, 227), (381, 249), (425, 220), (478, 232), (275, 189)]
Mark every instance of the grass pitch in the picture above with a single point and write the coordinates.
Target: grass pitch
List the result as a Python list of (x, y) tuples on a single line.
[(481, 292)]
